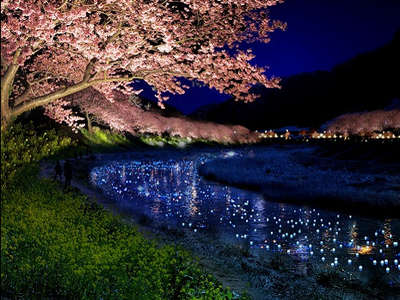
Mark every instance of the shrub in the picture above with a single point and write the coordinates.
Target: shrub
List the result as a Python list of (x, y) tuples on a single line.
[(104, 138), (22, 145), (157, 140)]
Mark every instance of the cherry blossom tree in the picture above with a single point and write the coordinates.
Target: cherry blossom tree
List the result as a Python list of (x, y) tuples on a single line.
[(126, 116), (365, 123), (51, 49)]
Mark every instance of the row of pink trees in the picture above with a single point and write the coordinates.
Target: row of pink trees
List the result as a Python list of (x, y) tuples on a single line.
[(365, 122), (124, 115), (51, 49)]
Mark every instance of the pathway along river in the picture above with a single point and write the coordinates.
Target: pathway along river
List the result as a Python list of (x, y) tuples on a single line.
[(167, 188)]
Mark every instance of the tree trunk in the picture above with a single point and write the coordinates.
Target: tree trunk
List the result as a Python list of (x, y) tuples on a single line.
[(6, 85), (89, 123), (5, 111), (7, 81), (5, 120)]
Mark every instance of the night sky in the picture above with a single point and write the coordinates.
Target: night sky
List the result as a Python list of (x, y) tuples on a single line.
[(320, 34)]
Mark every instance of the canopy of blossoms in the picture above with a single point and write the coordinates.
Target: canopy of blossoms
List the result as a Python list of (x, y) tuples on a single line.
[(54, 48)]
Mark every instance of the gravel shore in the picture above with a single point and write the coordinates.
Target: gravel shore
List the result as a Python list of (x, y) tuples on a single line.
[(297, 174)]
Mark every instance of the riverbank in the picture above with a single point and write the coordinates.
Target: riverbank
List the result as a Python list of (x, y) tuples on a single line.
[(308, 175), (58, 244), (265, 275)]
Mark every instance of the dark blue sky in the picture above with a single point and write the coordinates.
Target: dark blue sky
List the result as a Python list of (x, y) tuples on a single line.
[(320, 34)]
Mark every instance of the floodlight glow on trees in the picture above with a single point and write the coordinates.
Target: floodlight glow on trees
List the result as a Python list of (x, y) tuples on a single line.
[(51, 49)]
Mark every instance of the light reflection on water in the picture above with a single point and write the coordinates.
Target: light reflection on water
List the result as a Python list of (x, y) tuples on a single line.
[(171, 192)]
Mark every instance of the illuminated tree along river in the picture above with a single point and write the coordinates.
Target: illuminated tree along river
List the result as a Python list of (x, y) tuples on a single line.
[(168, 189)]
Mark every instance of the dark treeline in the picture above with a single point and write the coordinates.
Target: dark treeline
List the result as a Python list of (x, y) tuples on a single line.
[(367, 82)]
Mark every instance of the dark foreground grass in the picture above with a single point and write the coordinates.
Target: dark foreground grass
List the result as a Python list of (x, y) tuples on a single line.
[(57, 244)]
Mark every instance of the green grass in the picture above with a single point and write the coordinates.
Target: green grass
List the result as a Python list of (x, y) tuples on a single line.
[(174, 141), (22, 144), (103, 140), (156, 140), (57, 244), (100, 139)]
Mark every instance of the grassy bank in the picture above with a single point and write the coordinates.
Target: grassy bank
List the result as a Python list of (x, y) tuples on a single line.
[(58, 244), (299, 176), (104, 140)]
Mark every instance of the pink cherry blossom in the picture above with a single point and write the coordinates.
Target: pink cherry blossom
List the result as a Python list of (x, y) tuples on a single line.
[(123, 115), (51, 49), (365, 122)]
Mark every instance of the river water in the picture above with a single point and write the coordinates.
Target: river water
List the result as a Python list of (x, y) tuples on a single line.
[(168, 190)]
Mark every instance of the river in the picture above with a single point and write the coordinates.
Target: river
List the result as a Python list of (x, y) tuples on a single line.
[(167, 188)]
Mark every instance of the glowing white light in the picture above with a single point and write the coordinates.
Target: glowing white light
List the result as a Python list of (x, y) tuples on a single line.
[(230, 153)]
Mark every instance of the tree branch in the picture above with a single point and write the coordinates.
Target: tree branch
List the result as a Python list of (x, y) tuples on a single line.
[(23, 97), (7, 82), (88, 70), (63, 92), (43, 100)]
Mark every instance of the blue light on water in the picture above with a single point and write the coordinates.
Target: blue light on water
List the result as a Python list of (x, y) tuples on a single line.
[(170, 191)]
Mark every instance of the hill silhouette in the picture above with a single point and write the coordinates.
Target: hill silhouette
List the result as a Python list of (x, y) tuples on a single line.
[(366, 82)]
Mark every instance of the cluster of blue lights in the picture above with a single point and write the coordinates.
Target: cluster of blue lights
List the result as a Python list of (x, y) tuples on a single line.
[(170, 191)]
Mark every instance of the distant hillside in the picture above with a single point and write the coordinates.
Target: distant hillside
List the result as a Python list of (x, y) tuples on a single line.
[(367, 82)]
